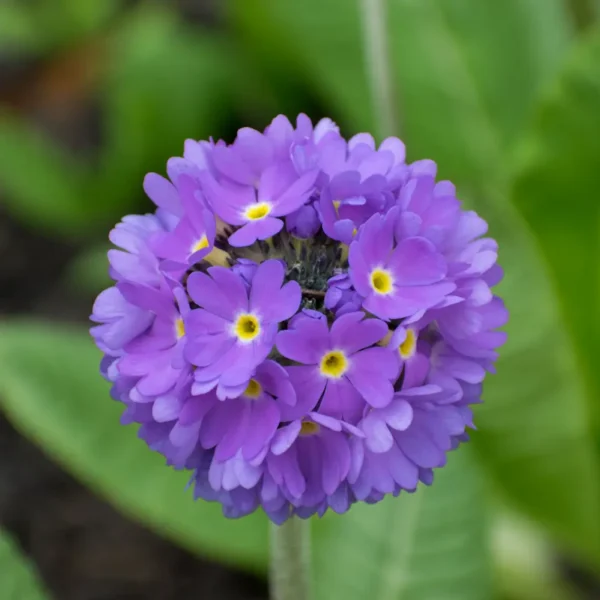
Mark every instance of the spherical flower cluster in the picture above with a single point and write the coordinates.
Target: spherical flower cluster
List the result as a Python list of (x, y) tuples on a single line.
[(303, 321)]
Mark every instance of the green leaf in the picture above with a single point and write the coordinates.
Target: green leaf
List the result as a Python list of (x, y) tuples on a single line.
[(424, 546), (17, 579), (85, 17), (534, 433), (556, 190), (525, 563), (88, 272), (451, 63), (39, 183), (51, 390), (463, 98), (17, 30), (165, 84)]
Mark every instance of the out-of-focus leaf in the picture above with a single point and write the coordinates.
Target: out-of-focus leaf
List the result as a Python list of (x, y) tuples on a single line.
[(525, 563), (534, 432), (556, 189), (166, 84), (17, 31), (39, 183), (51, 390), (450, 62), (310, 43), (85, 17), (423, 546), (17, 579), (88, 272), (45, 25), (463, 99)]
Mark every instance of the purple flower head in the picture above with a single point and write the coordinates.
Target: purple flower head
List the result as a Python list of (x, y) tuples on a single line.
[(304, 322)]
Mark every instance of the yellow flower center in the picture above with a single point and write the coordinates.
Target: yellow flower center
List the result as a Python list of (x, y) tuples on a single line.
[(334, 364), (254, 390), (179, 328), (258, 211), (409, 345), (336, 205), (247, 327), (309, 428), (381, 281), (200, 244)]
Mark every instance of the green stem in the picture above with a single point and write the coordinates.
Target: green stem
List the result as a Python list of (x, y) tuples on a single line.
[(290, 560), (377, 56)]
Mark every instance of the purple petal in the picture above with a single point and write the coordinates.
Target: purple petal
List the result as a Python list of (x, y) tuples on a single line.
[(351, 332), (205, 292), (415, 261), (296, 195), (378, 437), (306, 344), (262, 425), (275, 381), (163, 193), (309, 386), (370, 375), (232, 285), (256, 230), (342, 400), (398, 415), (285, 437)]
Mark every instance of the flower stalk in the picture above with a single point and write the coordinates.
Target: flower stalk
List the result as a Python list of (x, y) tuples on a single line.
[(290, 560), (377, 57)]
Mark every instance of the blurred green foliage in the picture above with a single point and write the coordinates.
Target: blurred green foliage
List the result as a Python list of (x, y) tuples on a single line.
[(17, 579), (505, 96)]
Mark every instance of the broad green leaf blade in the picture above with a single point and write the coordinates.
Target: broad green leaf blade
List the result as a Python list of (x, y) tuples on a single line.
[(18, 581), (17, 31), (85, 17), (165, 84), (534, 435), (88, 272), (431, 545), (525, 561), (465, 90), (556, 189), (39, 184), (51, 390), (315, 42)]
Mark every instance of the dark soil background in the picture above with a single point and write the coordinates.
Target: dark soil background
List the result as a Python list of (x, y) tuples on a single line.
[(82, 548)]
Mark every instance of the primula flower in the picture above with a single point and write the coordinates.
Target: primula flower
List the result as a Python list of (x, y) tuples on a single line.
[(396, 280), (303, 322), (340, 365), (234, 329)]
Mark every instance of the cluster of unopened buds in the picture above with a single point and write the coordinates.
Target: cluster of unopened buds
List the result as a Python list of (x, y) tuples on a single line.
[(303, 321)]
